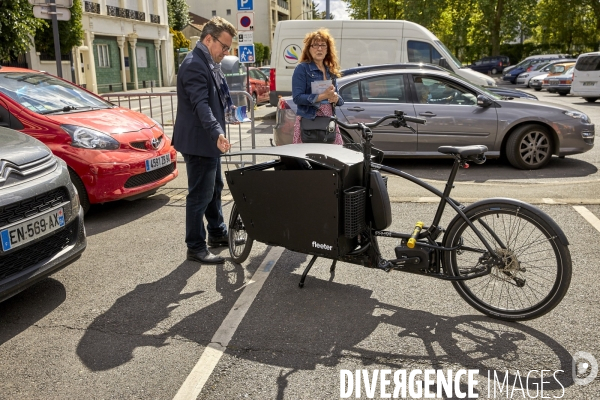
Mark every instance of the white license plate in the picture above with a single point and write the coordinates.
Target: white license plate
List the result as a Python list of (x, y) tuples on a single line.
[(158, 162), (589, 83), (554, 81), (36, 227)]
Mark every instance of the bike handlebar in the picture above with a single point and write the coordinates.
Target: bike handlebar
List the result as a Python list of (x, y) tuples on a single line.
[(398, 116)]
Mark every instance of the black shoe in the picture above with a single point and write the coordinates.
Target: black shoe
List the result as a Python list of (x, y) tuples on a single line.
[(204, 256), (219, 241)]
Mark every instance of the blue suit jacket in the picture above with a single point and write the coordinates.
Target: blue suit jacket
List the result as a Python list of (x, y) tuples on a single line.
[(200, 114)]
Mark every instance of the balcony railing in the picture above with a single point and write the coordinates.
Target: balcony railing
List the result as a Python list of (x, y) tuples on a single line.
[(155, 19), (125, 13), (92, 7), (283, 4)]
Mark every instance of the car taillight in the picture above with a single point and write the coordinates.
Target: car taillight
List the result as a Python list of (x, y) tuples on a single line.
[(272, 79), (500, 64), (529, 69), (283, 105)]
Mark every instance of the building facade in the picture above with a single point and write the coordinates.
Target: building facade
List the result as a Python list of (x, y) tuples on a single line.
[(127, 45), (266, 14)]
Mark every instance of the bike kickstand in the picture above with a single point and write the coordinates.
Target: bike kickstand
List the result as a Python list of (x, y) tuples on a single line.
[(308, 267)]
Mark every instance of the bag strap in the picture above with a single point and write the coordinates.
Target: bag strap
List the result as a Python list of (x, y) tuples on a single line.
[(333, 80)]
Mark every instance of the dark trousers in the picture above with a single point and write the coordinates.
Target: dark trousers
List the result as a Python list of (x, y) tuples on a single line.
[(205, 184)]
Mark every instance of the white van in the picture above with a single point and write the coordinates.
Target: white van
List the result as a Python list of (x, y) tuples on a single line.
[(586, 78), (366, 42)]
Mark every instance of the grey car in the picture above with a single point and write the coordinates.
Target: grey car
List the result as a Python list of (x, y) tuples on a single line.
[(458, 113), (41, 219)]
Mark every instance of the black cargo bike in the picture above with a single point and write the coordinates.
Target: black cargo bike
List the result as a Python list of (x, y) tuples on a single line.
[(506, 258)]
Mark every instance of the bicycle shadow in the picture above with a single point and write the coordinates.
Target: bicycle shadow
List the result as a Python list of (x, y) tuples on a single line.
[(439, 169), (342, 321)]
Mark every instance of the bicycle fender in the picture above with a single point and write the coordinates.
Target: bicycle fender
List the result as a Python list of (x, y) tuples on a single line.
[(545, 217)]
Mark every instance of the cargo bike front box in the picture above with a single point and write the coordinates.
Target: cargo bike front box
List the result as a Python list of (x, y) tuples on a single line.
[(308, 200)]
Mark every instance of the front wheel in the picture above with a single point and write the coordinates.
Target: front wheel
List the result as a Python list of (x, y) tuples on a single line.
[(529, 147), (240, 243), (590, 99), (534, 271)]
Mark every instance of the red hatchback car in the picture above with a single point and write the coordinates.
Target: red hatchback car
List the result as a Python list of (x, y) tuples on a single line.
[(112, 152)]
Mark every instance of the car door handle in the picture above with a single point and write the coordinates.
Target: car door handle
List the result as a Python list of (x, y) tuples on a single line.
[(427, 114), (355, 109)]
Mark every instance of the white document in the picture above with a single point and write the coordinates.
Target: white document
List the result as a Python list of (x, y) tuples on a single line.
[(318, 87)]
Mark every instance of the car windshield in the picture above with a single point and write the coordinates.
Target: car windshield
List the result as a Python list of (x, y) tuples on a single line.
[(448, 54), (45, 94)]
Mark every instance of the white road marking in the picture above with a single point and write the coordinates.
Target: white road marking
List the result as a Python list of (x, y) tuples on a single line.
[(195, 381), (589, 216)]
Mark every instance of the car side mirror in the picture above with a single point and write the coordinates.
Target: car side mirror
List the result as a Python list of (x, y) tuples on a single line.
[(444, 64), (483, 101)]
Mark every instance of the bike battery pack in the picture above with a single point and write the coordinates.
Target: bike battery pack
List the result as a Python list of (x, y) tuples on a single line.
[(380, 207)]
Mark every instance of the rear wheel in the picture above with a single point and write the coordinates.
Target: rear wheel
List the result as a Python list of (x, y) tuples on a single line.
[(83, 196), (562, 93), (529, 147), (537, 89), (590, 99), (240, 243), (535, 269), (494, 71), (255, 99)]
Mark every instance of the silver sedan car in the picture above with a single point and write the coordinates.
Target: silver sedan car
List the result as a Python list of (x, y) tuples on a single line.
[(527, 132)]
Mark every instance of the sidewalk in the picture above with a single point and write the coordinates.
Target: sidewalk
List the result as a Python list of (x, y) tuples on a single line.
[(264, 111)]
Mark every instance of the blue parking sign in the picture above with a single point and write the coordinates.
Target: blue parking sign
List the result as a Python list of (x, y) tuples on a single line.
[(246, 53), (245, 5)]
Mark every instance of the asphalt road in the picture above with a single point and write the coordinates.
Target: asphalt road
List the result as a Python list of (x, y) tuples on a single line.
[(132, 318)]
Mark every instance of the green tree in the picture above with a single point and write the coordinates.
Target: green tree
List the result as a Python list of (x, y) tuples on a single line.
[(17, 27), (179, 41), (267, 56), (259, 52), (178, 12), (70, 33), (569, 26)]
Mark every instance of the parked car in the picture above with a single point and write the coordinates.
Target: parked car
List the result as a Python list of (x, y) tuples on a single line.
[(502, 91), (527, 65), (537, 58), (41, 219), (586, 78), (541, 69), (555, 70), (259, 86), (537, 81), (561, 84), (491, 64), (112, 152), (458, 113)]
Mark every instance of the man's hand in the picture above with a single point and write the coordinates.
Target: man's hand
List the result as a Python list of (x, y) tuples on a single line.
[(223, 144)]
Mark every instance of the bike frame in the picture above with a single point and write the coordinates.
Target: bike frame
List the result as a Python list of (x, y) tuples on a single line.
[(433, 231)]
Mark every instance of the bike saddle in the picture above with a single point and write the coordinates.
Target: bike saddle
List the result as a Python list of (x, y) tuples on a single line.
[(463, 151)]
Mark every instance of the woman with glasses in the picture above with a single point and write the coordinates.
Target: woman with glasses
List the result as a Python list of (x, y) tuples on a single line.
[(314, 88)]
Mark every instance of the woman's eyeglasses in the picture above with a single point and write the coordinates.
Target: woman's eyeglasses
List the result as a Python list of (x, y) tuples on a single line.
[(225, 48), (319, 45)]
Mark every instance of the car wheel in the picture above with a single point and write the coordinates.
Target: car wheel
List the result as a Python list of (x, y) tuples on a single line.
[(254, 98), (529, 147), (494, 71), (83, 196), (590, 99), (562, 93), (537, 89)]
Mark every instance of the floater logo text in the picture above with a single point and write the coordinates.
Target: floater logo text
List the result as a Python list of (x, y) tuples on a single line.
[(321, 246)]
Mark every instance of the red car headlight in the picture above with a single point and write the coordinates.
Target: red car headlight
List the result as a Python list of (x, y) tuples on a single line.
[(87, 138)]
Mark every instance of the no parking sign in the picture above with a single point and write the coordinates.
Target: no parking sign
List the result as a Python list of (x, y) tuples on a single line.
[(245, 21)]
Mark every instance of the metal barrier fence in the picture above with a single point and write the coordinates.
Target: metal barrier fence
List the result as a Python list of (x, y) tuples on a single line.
[(162, 107)]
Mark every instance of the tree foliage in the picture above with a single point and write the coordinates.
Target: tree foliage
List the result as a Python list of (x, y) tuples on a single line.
[(475, 28), (17, 27), (178, 12), (70, 33), (179, 41)]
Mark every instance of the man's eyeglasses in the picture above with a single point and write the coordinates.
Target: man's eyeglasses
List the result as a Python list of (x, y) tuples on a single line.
[(225, 48), (319, 45)]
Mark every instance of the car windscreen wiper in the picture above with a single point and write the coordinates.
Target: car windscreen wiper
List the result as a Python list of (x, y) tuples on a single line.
[(64, 109)]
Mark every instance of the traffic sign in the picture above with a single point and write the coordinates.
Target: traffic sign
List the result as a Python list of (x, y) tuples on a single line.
[(245, 21), (246, 37), (246, 53), (62, 14), (57, 3), (245, 5)]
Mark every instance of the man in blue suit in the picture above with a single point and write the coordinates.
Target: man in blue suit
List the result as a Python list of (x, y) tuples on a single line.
[(199, 134)]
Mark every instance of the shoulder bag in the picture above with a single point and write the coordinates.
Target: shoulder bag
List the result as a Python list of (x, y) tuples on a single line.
[(318, 130)]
